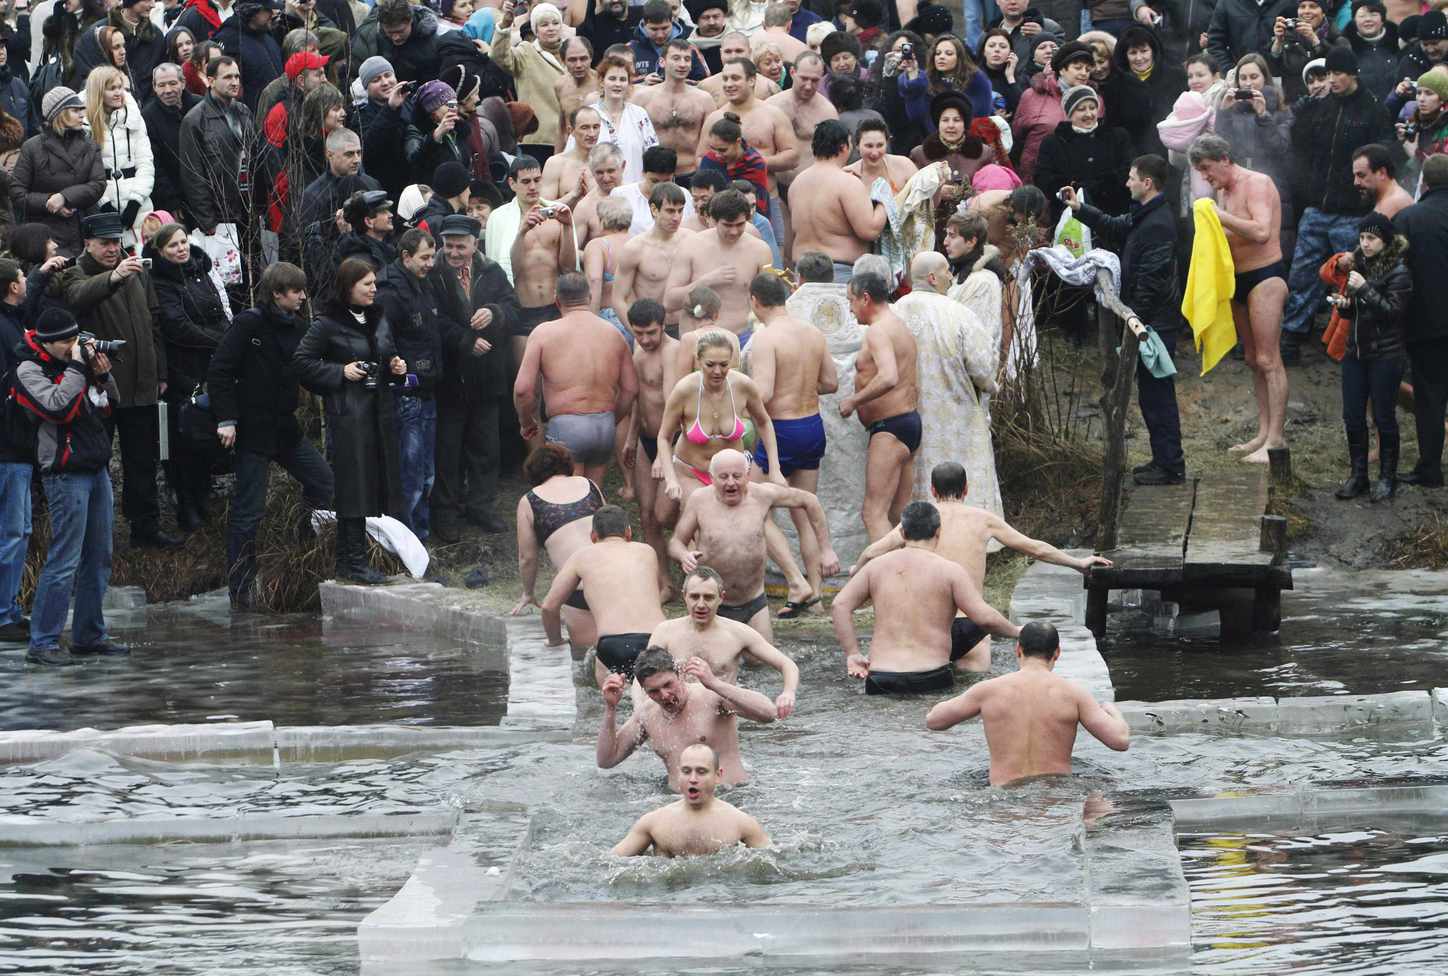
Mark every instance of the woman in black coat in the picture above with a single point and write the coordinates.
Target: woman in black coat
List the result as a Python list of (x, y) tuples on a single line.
[(1086, 154), (1142, 90), (193, 319), (350, 356), (59, 175)]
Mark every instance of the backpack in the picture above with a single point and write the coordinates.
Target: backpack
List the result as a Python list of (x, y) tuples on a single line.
[(18, 427), (49, 75)]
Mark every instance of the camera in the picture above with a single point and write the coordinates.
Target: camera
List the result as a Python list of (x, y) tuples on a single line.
[(548, 213), (145, 264), (90, 345), (1289, 23), (1244, 94), (907, 51), (370, 372), (1410, 131)]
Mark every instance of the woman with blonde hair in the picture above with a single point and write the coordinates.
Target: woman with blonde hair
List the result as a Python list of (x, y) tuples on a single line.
[(116, 126)]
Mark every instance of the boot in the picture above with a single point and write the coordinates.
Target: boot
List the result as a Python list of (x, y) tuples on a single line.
[(1387, 483), (179, 476), (1357, 450), (354, 567), (241, 571)]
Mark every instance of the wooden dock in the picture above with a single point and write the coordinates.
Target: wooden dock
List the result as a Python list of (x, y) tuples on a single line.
[(1210, 533)]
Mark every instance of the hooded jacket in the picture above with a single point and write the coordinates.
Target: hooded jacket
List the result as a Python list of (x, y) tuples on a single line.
[(125, 309), (1325, 133), (145, 48), (253, 380), (69, 406), (1138, 104), (258, 53)]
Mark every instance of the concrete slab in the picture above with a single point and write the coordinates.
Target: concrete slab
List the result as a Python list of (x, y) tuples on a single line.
[(1362, 714), (1226, 716), (173, 742), (228, 829)]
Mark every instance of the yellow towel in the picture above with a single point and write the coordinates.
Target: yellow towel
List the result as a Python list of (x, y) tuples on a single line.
[(1211, 284)]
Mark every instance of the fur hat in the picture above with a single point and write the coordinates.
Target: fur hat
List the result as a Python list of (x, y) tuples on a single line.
[(450, 179), (1072, 51), (950, 99)]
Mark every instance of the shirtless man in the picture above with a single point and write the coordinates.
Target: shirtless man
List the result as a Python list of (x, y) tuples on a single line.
[(1251, 213), (831, 210), (766, 128), (965, 532), (617, 576), (567, 169), (916, 593), (679, 714), (735, 46), (723, 528), (1374, 175), (588, 380), (541, 252), (776, 31), (697, 824), (724, 258), (887, 396), (646, 261), (677, 108), (792, 367), (1031, 716), (872, 139), (574, 87), (606, 163), (804, 106), (721, 642), (652, 349)]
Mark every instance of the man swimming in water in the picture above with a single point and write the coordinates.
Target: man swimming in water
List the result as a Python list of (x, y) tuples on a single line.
[(916, 594), (679, 714), (721, 642), (698, 823), (619, 579), (1031, 716), (965, 532)]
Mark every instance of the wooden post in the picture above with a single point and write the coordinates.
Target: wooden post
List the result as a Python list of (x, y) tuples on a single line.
[(1267, 609), (1114, 405), (1279, 461), (1274, 537), (1096, 610)]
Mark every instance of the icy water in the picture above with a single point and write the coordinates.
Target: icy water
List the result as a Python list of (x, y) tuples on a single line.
[(1342, 634)]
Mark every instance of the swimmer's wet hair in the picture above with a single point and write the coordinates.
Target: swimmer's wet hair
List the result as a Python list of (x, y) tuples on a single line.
[(870, 285), (712, 339), (947, 480), (1039, 639), (706, 573), (920, 521), (548, 461), (654, 660), (573, 290), (610, 521), (666, 192)]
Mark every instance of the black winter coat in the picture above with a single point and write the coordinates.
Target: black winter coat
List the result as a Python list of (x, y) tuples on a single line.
[(416, 59), (163, 125), (469, 378), (1325, 134), (1240, 27), (425, 154), (1378, 69), (1136, 105), (258, 53), (212, 158), (365, 448), (350, 245), (145, 49), (1146, 240), (1096, 161), (383, 131), (69, 165), (411, 307), (192, 319), (1379, 308), (253, 379), (1425, 225)]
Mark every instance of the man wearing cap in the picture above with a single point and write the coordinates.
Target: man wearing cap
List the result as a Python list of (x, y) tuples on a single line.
[(368, 214), (304, 72), (474, 293), (286, 170), (145, 47), (677, 108), (70, 391), (1431, 47), (380, 122), (404, 34), (168, 105), (1241, 27), (1325, 134), (451, 191), (112, 295), (299, 41), (711, 23), (830, 209), (247, 37)]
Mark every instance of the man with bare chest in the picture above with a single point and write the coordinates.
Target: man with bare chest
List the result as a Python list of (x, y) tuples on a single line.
[(916, 594), (965, 532), (698, 823), (830, 209), (677, 108), (805, 108), (652, 349), (541, 251), (678, 714), (606, 163), (766, 129), (574, 87), (735, 46), (1251, 213), (1031, 716), (646, 261), (569, 170), (887, 396), (723, 528), (723, 258), (722, 643)]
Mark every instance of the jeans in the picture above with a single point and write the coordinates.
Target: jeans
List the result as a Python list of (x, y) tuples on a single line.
[(81, 518), (1157, 398), (975, 17), (1319, 236), (248, 502), (1375, 378), (139, 431), (14, 535), (417, 431), (1430, 398)]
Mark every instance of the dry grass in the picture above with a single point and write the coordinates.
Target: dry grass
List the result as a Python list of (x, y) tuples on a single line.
[(1424, 547)]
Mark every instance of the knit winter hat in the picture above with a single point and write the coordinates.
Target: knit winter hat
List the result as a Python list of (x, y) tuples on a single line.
[(433, 95), (1077, 94), (1377, 5), (1436, 82), (372, 68), (55, 324), (1377, 225), (450, 179), (1341, 58), (57, 100), (838, 42), (1312, 67)]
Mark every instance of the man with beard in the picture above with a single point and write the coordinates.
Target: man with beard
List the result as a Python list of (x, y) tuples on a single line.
[(1375, 176), (710, 22)]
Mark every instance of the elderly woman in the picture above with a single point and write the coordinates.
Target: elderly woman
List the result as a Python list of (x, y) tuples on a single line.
[(117, 127), (1084, 153), (535, 65), (59, 174)]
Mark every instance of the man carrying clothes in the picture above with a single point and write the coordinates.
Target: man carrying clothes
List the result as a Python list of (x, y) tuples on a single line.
[(1147, 239)]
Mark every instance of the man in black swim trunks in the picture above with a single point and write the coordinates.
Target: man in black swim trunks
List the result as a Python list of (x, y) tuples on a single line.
[(916, 593)]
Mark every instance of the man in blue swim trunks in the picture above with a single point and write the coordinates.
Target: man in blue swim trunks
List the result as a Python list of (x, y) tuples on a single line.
[(790, 363)]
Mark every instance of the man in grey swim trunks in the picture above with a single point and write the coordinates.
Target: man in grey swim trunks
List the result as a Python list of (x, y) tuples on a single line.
[(588, 380)]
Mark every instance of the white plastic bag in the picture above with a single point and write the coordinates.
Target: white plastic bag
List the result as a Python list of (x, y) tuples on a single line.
[(224, 250), (1071, 234)]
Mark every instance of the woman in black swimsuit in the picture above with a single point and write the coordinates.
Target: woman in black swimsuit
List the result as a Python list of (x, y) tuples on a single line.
[(558, 516)]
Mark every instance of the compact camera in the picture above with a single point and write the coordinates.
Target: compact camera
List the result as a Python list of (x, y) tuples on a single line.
[(1289, 24), (548, 213), (370, 372), (1410, 131), (1244, 94), (907, 51)]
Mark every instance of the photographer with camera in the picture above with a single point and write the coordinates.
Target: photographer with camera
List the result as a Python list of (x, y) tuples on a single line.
[(349, 356), (1297, 41), (1425, 130), (111, 291), (64, 381)]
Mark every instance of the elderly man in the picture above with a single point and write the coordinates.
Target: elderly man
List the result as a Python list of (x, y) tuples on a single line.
[(698, 824), (916, 594), (831, 209), (569, 170), (168, 105), (607, 167), (588, 378), (724, 529)]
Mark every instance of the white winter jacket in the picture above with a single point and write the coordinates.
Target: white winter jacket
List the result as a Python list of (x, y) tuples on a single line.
[(130, 167)]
